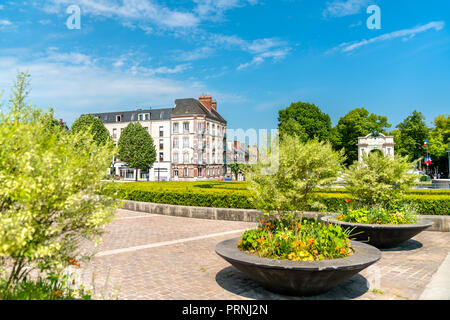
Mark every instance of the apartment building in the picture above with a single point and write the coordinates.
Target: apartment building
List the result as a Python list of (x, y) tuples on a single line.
[(189, 140)]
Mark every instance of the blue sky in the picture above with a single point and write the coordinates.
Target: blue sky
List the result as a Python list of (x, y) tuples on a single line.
[(254, 56)]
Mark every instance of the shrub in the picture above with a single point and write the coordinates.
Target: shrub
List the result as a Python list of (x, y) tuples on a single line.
[(302, 167), (52, 287), (379, 179), (379, 215), (49, 185)]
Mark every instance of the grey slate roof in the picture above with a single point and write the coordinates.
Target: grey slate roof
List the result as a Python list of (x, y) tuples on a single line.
[(192, 106), (128, 116), (182, 107)]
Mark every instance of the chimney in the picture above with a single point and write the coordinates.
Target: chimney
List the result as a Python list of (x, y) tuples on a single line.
[(214, 104), (206, 100), (236, 144)]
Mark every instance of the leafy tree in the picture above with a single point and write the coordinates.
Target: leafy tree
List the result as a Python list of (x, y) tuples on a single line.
[(356, 123), (410, 137), (438, 143), (379, 179), (238, 168), (304, 120), (49, 186), (89, 122), (136, 147), (301, 168)]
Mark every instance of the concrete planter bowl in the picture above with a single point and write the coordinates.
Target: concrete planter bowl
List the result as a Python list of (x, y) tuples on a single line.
[(298, 278), (382, 236)]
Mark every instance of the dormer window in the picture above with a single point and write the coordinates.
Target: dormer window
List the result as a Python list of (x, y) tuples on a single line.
[(144, 116), (118, 118)]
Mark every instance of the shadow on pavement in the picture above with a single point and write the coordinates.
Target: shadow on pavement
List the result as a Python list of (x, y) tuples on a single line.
[(406, 246), (234, 281)]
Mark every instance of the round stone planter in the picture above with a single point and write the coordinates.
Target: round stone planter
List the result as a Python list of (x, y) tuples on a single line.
[(381, 235), (298, 278)]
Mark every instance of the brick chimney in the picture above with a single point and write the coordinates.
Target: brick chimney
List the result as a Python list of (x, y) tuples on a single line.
[(206, 100), (214, 104)]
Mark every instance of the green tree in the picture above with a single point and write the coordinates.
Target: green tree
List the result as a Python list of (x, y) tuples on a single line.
[(438, 143), (302, 167), (379, 179), (136, 147), (304, 120), (410, 136), (89, 122), (356, 123), (49, 186)]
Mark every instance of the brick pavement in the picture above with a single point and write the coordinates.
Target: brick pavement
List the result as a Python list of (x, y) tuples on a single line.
[(170, 268)]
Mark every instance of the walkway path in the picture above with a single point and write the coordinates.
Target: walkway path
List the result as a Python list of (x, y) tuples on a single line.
[(163, 257)]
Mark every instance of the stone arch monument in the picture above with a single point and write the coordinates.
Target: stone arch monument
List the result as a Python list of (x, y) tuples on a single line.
[(375, 141)]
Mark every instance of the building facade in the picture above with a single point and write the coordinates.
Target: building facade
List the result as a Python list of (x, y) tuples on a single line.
[(371, 142), (189, 140)]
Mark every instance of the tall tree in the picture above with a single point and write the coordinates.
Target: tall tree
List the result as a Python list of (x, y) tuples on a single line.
[(410, 136), (136, 147), (438, 144), (95, 125), (356, 123), (304, 120)]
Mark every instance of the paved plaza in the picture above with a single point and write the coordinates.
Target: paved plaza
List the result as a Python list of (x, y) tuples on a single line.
[(149, 256)]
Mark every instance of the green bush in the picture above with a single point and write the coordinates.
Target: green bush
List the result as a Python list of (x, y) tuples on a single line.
[(53, 287), (220, 194)]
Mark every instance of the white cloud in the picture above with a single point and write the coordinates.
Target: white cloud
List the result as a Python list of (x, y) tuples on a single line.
[(199, 53), (276, 55), (139, 10), (405, 34), (4, 22), (341, 8), (80, 88), (214, 9), (1, 7)]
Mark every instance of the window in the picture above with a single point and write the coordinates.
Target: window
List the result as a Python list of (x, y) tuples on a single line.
[(200, 172), (199, 127), (144, 175), (161, 131), (175, 142), (161, 143), (186, 157), (175, 157), (118, 118), (114, 133), (175, 172), (207, 128), (186, 126), (175, 127), (161, 156), (141, 117), (186, 172), (147, 116), (186, 142)]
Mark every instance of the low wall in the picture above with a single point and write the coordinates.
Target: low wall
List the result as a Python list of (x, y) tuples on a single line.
[(440, 223)]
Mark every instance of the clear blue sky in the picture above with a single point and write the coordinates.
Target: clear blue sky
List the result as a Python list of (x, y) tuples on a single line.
[(254, 56)]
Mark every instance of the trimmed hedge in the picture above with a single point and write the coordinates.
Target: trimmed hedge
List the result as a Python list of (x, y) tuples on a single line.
[(219, 194)]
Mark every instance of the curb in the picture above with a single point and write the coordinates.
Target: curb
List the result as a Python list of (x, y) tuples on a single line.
[(440, 223)]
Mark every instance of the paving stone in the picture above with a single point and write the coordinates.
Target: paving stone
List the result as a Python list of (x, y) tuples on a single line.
[(192, 270)]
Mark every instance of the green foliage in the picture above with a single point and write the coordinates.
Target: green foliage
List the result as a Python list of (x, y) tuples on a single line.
[(379, 215), (136, 147), (49, 186), (302, 167), (52, 287), (411, 135), (438, 144), (297, 239), (379, 180), (219, 194), (304, 120), (90, 123), (356, 123)]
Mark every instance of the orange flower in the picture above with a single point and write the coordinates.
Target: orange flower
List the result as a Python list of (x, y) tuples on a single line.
[(310, 241), (277, 244), (57, 293), (73, 262), (267, 223), (239, 242), (337, 248), (348, 200), (299, 225), (260, 239), (283, 236), (262, 221), (343, 251)]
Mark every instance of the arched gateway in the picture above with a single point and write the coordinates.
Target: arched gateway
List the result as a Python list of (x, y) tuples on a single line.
[(375, 141)]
